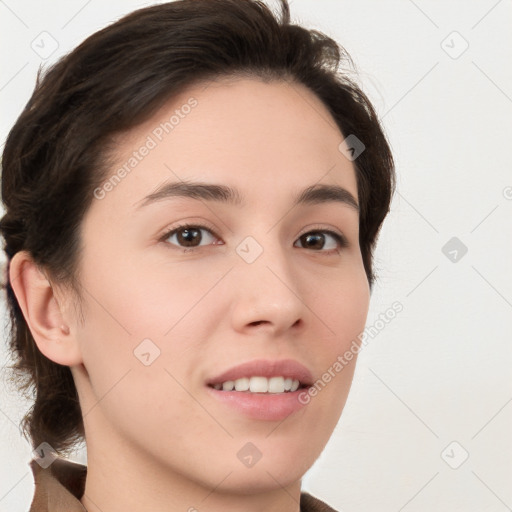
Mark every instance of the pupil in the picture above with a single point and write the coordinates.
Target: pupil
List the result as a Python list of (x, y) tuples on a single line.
[(188, 236), (315, 237)]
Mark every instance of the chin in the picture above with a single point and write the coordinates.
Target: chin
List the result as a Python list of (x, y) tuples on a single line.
[(280, 465), (264, 478)]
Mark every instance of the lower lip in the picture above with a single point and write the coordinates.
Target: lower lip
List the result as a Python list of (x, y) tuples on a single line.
[(261, 406)]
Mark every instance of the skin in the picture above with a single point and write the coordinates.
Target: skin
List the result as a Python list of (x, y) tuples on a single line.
[(155, 439)]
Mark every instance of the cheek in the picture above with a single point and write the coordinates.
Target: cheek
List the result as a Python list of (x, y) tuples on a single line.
[(346, 304), (145, 316), (343, 308), (152, 301)]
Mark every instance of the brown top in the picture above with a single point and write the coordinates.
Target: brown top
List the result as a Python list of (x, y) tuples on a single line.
[(59, 487)]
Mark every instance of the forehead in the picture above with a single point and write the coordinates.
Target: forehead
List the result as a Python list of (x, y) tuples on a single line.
[(266, 139)]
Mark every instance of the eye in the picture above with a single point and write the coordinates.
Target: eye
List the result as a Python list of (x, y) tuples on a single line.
[(190, 236), (323, 240)]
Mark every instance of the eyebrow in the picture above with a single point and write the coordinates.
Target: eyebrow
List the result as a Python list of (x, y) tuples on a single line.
[(315, 194)]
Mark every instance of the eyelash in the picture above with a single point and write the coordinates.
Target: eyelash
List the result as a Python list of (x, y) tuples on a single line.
[(340, 239)]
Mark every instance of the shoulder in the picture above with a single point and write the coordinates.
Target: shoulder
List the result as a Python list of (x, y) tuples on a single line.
[(309, 503), (58, 487)]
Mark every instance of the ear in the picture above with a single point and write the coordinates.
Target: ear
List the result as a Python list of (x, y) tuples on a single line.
[(42, 312)]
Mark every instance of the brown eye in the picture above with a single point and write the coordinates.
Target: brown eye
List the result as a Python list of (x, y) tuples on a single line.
[(189, 236), (322, 240)]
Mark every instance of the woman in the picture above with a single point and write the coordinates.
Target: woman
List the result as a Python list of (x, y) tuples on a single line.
[(193, 197)]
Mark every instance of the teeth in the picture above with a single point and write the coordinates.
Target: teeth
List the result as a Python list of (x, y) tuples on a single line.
[(242, 384), (276, 385), (228, 385), (259, 385)]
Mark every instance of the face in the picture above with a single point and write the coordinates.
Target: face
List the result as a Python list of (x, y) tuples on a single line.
[(256, 278)]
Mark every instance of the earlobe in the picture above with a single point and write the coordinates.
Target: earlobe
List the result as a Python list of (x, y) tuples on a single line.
[(42, 311)]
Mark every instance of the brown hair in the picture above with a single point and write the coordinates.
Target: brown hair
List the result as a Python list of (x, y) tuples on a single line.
[(56, 153)]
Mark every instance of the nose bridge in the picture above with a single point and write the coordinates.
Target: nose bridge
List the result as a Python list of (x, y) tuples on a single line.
[(267, 284)]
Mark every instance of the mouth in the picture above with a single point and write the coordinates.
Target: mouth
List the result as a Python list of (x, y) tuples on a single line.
[(263, 376), (262, 389)]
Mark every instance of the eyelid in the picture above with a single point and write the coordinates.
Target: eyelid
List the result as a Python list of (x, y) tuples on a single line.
[(342, 239), (201, 224)]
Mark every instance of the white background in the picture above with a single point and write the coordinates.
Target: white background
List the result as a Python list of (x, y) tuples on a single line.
[(440, 371)]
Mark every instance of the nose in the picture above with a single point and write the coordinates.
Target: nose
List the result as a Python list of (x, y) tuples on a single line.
[(268, 296)]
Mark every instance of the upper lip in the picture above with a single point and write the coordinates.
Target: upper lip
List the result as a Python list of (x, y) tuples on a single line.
[(287, 368)]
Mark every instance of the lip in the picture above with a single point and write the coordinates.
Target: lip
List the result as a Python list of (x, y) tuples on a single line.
[(287, 368), (263, 406), (260, 406)]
